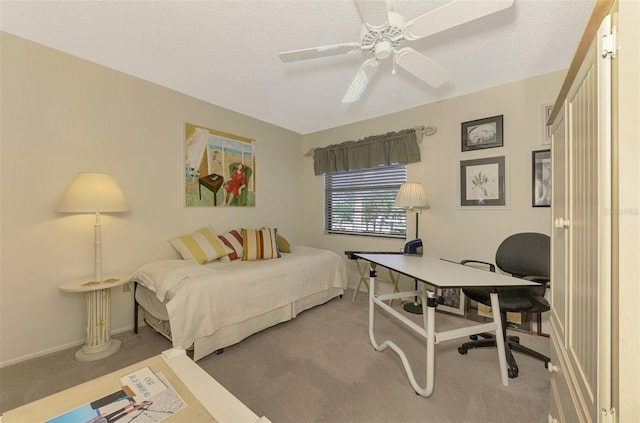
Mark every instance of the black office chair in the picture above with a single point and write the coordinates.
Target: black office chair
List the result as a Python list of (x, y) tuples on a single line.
[(523, 255)]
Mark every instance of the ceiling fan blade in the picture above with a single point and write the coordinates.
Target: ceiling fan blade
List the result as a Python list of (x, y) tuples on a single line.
[(421, 67), (374, 13), (315, 52), (361, 80), (450, 15)]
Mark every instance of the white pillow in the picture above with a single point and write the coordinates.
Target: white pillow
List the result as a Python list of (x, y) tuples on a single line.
[(202, 245)]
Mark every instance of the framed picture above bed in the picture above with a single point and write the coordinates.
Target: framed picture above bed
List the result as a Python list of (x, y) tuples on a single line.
[(219, 168)]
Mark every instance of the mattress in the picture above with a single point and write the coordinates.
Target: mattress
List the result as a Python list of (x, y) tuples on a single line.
[(221, 303)]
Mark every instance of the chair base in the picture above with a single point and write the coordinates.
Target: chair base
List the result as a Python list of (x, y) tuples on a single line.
[(511, 343)]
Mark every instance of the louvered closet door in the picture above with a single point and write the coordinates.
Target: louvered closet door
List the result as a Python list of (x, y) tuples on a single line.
[(563, 408), (582, 334), (581, 280)]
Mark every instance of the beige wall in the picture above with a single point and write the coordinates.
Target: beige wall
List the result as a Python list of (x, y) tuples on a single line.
[(448, 231), (61, 115)]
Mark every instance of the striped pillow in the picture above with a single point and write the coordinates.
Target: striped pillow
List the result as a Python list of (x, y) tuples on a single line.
[(233, 241), (260, 244), (202, 245)]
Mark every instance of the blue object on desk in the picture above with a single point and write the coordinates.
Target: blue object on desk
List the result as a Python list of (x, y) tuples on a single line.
[(413, 248)]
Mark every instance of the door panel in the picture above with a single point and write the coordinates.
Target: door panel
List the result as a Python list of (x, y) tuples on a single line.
[(581, 244)]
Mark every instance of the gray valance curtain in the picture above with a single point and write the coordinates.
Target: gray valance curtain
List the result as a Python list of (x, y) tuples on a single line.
[(393, 147)]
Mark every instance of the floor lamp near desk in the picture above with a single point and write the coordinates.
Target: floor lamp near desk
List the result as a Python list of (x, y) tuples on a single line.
[(413, 197), (95, 193)]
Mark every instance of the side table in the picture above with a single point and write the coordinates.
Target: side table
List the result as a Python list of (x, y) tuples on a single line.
[(98, 342), (213, 182)]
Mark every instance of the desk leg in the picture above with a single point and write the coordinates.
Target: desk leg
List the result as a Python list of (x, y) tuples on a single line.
[(429, 310), (98, 342), (428, 332), (502, 355)]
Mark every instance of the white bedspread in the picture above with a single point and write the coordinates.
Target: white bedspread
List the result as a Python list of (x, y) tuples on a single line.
[(203, 299)]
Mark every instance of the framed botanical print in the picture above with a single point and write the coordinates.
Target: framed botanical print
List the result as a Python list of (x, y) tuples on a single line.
[(483, 182)]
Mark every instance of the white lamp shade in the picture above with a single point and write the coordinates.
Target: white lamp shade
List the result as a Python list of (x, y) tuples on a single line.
[(93, 193), (412, 195)]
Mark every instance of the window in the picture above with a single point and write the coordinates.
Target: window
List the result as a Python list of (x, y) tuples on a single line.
[(360, 202)]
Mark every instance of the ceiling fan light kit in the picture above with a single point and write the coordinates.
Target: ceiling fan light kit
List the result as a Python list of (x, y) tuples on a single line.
[(384, 32)]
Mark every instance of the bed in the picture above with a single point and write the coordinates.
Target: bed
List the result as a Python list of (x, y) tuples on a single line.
[(211, 306)]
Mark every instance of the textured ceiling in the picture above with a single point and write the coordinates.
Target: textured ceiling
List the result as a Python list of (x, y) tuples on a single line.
[(226, 52)]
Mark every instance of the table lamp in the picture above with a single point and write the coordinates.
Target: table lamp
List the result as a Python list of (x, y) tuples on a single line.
[(413, 197), (94, 193)]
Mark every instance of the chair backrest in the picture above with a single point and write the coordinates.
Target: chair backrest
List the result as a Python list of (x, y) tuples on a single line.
[(525, 254)]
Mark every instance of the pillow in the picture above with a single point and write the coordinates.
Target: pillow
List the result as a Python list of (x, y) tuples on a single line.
[(260, 244), (233, 241), (225, 258), (283, 244), (202, 245)]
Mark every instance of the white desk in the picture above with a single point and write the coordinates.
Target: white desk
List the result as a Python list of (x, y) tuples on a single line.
[(440, 274), (206, 399)]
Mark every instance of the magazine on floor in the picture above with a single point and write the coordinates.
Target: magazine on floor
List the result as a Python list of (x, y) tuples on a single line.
[(145, 397)]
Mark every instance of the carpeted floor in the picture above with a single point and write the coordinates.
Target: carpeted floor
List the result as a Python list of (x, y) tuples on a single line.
[(321, 367)]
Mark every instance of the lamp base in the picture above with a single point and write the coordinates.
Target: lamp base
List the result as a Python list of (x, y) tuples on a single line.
[(413, 308), (90, 354)]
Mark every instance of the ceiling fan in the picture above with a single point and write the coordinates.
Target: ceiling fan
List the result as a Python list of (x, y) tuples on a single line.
[(384, 32)]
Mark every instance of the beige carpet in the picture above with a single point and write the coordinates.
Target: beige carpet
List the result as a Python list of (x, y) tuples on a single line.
[(321, 367)]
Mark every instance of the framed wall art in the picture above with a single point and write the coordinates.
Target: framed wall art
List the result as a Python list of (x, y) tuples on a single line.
[(482, 133), (483, 182), (546, 130), (454, 301), (219, 168), (481, 313), (541, 178)]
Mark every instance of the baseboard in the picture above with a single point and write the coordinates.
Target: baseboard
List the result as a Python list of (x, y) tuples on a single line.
[(58, 348)]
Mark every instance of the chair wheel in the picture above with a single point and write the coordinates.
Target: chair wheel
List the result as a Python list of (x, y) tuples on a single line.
[(462, 350), (512, 373), (473, 337)]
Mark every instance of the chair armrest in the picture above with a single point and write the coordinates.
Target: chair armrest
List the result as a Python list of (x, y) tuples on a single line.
[(540, 279), (492, 267)]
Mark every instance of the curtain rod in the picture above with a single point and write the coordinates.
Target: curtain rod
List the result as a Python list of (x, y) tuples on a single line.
[(421, 132)]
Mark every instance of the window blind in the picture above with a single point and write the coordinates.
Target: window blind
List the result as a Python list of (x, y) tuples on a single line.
[(360, 202)]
